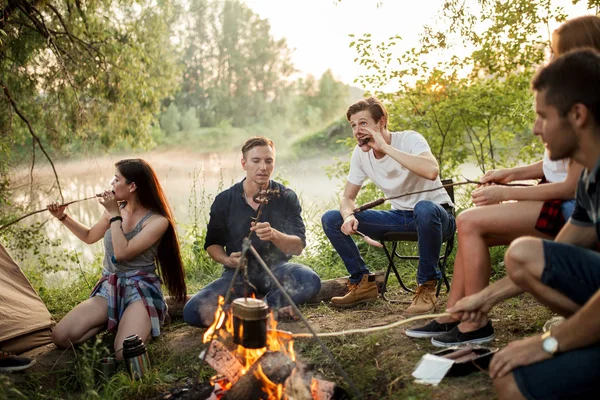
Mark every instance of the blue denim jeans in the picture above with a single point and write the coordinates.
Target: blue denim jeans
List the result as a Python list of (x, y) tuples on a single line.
[(431, 221), (298, 280)]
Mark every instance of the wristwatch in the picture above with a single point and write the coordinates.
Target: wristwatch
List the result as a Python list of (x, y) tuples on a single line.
[(549, 344)]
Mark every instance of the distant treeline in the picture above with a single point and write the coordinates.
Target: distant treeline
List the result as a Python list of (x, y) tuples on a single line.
[(235, 71)]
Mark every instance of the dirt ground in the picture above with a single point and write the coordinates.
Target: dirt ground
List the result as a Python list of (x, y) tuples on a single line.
[(379, 364)]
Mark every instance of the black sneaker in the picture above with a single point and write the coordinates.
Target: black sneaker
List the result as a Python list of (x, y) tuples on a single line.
[(432, 329), (456, 337), (10, 362)]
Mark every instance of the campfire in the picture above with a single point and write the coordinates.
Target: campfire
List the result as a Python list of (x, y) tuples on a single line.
[(255, 360)]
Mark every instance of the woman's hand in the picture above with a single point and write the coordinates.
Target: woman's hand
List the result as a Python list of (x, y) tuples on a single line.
[(56, 209), (487, 195), (107, 199), (497, 175)]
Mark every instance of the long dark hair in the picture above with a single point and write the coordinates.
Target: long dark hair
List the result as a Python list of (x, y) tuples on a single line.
[(151, 195)]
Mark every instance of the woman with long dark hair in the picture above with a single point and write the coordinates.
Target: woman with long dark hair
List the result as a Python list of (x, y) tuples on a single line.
[(139, 235)]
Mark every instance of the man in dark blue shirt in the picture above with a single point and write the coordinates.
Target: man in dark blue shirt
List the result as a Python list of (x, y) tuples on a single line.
[(564, 362), (277, 235)]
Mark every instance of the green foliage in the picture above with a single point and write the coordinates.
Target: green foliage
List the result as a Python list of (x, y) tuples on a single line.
[(31, 243), (329, 140), (81, 76), (97, 72), (8, 389), (234, 68), (201, 269), (189, 120), (319, 101), (169, 121)]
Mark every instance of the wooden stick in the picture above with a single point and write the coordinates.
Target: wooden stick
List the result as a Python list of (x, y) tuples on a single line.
[(374, 329), (45, 209), (382, 200)]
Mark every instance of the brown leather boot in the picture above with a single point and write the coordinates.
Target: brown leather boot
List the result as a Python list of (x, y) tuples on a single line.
[(424, 300), (362, 292)]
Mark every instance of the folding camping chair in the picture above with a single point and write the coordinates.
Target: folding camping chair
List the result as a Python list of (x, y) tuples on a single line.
[(392, 253)]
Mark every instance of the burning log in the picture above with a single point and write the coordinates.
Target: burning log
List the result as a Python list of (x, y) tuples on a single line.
[(274, 366), (224, 361)]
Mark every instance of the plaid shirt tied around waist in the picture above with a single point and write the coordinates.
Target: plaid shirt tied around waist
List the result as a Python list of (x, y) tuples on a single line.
[(148, 287)]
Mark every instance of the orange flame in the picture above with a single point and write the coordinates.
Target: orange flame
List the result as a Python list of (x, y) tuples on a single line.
[(279, 341), (219, 317), (250, 356), (223, 383), (273, 391), (314, 389)]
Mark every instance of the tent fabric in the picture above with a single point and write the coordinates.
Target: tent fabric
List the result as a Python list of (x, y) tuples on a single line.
[(24, 319), (21, 344)]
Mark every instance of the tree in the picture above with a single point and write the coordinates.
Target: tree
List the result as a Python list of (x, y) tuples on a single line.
[(76, 72), (169, 121), (234, 69), (189, 120), (332, 96)]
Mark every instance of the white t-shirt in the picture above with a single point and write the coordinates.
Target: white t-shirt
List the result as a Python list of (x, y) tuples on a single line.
[(555, 171), (394, 179)]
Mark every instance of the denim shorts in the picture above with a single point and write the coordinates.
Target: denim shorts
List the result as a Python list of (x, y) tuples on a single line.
[(568, 207), (131, 293), (575, 272)]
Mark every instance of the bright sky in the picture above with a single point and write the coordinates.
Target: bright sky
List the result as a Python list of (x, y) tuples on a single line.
[(318, 29)]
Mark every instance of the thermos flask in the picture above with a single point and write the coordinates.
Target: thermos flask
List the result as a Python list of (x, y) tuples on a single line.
[(135, 356)]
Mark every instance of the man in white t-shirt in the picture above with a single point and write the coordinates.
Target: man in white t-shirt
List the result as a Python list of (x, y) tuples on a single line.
[(397, 163)]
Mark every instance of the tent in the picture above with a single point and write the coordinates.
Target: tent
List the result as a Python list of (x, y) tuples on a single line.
[(24, 319)]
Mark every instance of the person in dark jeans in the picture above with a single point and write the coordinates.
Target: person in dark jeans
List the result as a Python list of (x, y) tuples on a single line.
[(397, 163), (277, 236), (564, 274)]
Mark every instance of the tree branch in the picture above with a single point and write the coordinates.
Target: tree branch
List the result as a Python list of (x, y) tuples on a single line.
[(11, 7), (32, 132), (28, 10), (31, 170), (480, 160), (62, 22)]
